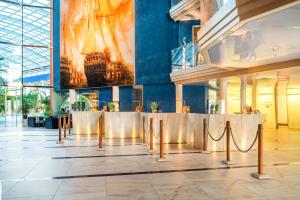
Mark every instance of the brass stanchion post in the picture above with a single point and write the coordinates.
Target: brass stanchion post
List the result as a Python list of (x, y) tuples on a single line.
[(100, 148), (227, 161), (161, 142), (205, 139), (260, 174), (144, 132), (151, 135), (64, 126), (59, 132), (69, 122)]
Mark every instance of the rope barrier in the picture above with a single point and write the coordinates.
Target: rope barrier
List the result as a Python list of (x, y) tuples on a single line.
[(241, 150), (216, 140), (210, 135)]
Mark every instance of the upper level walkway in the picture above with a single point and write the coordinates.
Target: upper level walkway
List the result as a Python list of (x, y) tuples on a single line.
[(239, 37)]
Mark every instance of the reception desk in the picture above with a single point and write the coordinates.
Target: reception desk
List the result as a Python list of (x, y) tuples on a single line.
[(188, 128), (86, 122), (179, 128), (122, 125)]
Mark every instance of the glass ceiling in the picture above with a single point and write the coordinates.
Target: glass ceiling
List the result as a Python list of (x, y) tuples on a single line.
[(28, 27)]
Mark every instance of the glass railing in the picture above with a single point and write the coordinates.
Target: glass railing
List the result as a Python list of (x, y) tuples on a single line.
[(186, 56), (211, 8)]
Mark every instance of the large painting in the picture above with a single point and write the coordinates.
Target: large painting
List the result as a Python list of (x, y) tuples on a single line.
[(97, 43)]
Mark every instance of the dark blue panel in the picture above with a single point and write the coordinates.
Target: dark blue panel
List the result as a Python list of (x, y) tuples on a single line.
[(195, 96), (125, 98), (56, 45), (186, 30), (105, 95), (155, 36), (164, 94)]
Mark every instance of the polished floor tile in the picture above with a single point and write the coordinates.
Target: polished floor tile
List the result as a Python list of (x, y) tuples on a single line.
[(34, 166)]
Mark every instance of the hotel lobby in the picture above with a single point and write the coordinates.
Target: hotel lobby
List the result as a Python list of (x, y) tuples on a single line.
[(136, 99)]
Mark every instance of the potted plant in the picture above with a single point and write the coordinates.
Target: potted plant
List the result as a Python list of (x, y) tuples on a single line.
[(211, 108), (2, 99), (154, 106), (217, 108), (111, 106), (29, 102), (104, 108)]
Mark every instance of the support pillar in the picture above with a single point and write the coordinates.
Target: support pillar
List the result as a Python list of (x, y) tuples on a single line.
[(179, 100), (243, 92), (222, 95), (254, 86)]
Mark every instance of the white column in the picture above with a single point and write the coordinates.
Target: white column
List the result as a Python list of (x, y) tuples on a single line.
[(254, 85), (116, 94), (222, 95), (116, 97), (243, 91), (179, 101)]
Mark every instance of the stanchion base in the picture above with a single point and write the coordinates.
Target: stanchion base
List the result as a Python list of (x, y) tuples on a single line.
[(260, 176), (206, 152), (60, 142), (161, 160), (226, 162), (151, 151), (100, 149)]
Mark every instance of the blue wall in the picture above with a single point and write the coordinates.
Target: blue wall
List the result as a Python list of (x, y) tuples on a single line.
[(195, 96), (155, 36), (56, 45), (125, 98), (186, 30), (105, 94), (164, 94)]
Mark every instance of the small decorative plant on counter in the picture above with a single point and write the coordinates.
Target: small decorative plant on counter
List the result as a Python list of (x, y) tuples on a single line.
[(111, 106), (214, 108), (154, 106), (104, 108)]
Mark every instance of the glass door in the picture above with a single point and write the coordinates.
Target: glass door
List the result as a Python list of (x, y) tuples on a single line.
[(10, 106)]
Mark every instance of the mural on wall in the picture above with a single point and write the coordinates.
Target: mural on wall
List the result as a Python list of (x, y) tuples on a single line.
[(97, 43)]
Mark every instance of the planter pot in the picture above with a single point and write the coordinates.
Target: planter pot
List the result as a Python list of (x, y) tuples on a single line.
[(139, 108), (25, 122), (51, 123), (154, 111), (186, 109)]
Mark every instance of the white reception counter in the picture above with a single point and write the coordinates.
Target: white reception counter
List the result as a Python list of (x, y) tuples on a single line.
[(178, 127), (86, 122)]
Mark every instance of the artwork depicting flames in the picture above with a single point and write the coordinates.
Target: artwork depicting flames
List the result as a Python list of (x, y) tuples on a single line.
[(97, 43)]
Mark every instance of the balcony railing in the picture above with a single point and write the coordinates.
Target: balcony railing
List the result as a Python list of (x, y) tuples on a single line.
[(186, 56)]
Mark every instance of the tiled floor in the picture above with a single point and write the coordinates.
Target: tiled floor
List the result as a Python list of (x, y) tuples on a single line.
[(33, 166)]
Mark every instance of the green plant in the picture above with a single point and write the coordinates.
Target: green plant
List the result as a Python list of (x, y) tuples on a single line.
[(2, 100), (217, 107), (46, 106), (111, 106), (29, 102), (154, 105)]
